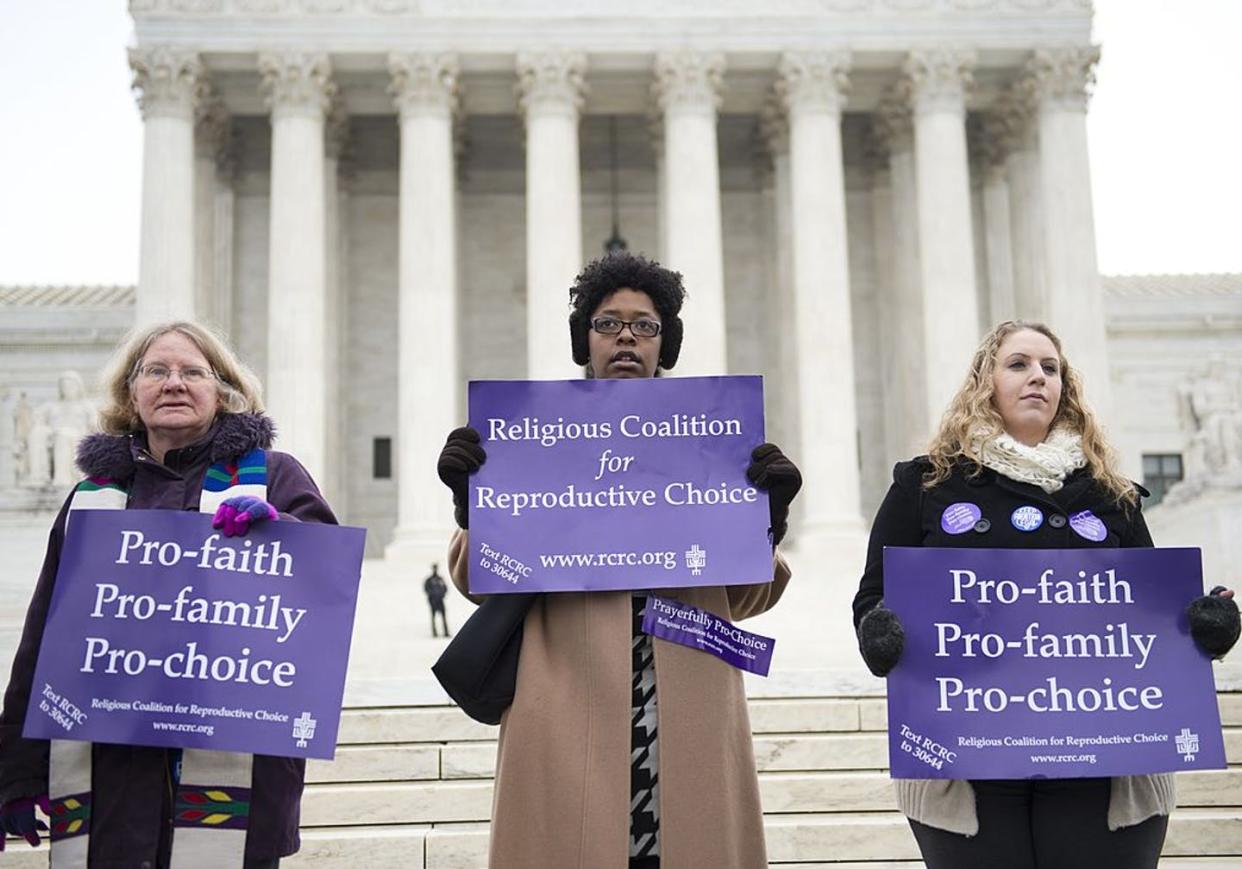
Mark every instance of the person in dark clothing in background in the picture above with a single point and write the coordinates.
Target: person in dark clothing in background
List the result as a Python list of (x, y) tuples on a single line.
[(435, 588)]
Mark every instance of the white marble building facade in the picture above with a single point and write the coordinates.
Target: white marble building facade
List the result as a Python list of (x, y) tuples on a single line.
[(379, 200)]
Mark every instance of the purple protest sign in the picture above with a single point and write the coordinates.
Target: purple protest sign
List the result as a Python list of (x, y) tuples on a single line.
[(162, 632), (696, 628), (1048, 663), (617, 484)]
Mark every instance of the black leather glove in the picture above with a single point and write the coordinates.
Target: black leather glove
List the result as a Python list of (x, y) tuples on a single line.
[(881, 639), (462, 456), (1214, 622), (771, 470)]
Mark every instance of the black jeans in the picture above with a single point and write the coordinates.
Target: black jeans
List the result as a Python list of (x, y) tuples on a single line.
[(1043, 824)]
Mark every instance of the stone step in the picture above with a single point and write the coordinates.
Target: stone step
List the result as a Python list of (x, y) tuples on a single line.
[(1205, 838), (437, 724), (1200, 838), (477, 760), (331, 805)]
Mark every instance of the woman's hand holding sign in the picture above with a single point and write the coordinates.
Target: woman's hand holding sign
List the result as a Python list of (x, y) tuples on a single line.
[(462, 456), (234, 516), (771, 470), (1214, 621)]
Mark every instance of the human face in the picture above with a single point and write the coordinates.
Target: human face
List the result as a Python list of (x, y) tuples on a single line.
[(624, 354), (1026, 385), (174, 413)]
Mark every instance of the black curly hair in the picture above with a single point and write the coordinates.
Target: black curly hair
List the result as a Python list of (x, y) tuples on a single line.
[(618, 270)]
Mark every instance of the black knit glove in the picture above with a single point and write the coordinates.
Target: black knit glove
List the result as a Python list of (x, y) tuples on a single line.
[(771, 470), (460, 458), (1214, 622), (17, 818), (881, 639)]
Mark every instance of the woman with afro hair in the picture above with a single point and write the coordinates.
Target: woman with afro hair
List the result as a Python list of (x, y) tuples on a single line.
[(584, 776)]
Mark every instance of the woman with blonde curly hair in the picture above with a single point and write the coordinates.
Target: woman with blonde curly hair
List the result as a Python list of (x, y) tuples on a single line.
[(1019, 461), (182, 429)]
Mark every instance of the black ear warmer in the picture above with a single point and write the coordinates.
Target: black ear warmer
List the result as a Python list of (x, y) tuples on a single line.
[(670, 339)]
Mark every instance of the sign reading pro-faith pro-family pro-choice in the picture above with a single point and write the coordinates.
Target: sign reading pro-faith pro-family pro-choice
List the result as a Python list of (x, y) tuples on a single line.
[(1052, 663), (617, 484), (163, 632)]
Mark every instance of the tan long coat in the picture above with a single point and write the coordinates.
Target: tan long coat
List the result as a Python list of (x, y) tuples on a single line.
[(562, 796)]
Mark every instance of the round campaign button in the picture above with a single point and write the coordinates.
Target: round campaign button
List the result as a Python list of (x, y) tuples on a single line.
[(1087, 524), (983, 526), (960, 517), (1056, 520), (1027, 518)]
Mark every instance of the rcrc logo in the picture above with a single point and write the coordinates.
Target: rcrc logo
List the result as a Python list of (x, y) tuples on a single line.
[(1187, 744), (304, 729), (696, 559)]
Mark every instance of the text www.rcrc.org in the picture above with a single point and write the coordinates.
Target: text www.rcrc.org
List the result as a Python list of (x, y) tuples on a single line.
[(509, 568), (666, 560), (1062, 758), (178, 727)]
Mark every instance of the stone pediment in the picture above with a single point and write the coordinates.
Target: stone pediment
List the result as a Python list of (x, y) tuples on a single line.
[(1178, 285), (67, 297)]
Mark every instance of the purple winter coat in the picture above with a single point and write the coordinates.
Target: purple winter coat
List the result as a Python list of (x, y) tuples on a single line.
[(131, 817)]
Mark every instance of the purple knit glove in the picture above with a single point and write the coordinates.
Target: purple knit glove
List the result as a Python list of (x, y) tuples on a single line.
[(235, 515), (17, 818)]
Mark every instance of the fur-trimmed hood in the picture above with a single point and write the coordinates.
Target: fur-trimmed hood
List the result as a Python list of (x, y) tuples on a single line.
[(232, 435)]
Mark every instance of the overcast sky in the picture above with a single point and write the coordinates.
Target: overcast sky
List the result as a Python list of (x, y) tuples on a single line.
[(1165, 128)]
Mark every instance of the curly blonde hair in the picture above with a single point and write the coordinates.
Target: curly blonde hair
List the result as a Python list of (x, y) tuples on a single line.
[(238, 388), (972, 412)]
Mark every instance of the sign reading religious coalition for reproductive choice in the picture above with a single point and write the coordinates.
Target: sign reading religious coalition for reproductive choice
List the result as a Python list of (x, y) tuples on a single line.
[(1048, 663), (162, 632), (617, 484)]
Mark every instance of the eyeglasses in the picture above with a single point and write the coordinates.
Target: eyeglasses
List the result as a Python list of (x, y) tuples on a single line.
[(638, 328), (191, 375)]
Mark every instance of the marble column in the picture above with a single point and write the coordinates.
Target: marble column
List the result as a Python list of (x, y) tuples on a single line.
[(424, 87), (904, 376), (687, 90), (336, 145), (299, 90), (813, 86), (775, 130), (211, 140), (655, 127), (225, 214), (1026, 213), (883, 246), (551, 90), (997, 229), (170, 85), (938, 80), (1062, 78)]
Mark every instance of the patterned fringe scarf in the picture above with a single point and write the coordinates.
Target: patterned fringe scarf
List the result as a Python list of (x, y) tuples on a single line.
[(1045, 465), (211, 811)]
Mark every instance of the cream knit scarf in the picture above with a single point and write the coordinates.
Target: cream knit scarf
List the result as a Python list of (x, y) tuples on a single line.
[(1045, 465)]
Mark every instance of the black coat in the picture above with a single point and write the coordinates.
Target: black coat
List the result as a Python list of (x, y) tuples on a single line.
[(910, 516), (130, 811)]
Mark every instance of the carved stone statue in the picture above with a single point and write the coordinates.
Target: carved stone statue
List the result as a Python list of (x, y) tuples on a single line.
[(23, 421), (8, 445), (1211, 410), (53, 433)]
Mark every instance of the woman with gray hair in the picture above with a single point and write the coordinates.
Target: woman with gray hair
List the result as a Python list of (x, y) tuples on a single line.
[(182, 429)]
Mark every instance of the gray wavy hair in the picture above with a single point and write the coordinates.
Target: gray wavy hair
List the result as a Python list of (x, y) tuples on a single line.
[(238, 387)]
